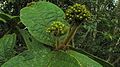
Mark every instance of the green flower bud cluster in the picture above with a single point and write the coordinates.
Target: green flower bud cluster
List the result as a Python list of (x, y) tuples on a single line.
[(56, 28), (77, 13)]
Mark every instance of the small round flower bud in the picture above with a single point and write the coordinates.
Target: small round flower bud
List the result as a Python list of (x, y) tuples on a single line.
[(77, 14), (56, 28)]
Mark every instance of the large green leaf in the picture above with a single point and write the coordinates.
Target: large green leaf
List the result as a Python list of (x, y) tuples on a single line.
[(39, 55), (6, 47), (83, 60), (48, 58), (38, 17), (99, 60), (42, 59)]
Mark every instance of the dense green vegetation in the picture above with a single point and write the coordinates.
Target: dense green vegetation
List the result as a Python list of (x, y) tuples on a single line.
[(39, 34)]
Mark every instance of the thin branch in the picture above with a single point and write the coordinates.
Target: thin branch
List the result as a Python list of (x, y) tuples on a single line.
[(118, 41), (109, 57), (117, 60)]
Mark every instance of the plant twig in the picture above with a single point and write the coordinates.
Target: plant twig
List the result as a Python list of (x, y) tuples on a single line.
[(71, 34), (117, 60), (118, 41), (109, 57)]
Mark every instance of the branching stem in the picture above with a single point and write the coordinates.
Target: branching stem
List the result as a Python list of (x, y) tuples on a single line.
[(71, 34)]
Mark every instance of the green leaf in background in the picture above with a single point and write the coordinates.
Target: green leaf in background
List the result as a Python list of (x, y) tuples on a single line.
[(5, 17), (7, 44), (2, 20), (38, 17)]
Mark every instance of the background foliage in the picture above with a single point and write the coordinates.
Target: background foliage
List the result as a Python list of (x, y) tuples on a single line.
[(100, 37)]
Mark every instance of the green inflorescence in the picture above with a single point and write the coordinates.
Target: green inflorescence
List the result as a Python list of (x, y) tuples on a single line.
[(77, 13), (56, 28)]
